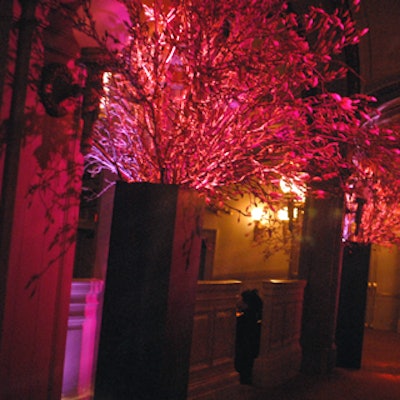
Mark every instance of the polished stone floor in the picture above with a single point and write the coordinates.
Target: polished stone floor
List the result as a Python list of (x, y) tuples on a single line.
[(378, 378)]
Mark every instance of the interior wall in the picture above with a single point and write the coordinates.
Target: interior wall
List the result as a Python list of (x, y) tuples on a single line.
[(39, 217), (236, 254), (383, 302)]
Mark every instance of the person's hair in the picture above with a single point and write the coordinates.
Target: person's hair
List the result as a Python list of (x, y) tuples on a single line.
[(252, 299)]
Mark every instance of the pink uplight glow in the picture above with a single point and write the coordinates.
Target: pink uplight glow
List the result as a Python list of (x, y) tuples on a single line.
[(229, 97)]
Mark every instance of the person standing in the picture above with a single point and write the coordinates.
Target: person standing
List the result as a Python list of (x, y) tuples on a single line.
[(248, 332)]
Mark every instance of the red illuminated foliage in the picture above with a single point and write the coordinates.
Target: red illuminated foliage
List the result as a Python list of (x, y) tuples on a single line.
[(227, 97)]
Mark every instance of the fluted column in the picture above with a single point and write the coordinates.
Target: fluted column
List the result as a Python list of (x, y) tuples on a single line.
[(80, 353)]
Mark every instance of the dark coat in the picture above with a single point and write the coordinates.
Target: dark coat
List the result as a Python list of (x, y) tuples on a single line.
[(248, 332)]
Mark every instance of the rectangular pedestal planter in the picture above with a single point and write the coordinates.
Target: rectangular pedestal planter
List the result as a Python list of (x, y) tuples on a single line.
[(150, 293)]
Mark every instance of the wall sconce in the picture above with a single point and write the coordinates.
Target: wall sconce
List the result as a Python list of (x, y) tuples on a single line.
[(284, 214), (57, 85), (279, 222), (257, 214), (258, 217), (264, 222), (291, 192), (270, 221)]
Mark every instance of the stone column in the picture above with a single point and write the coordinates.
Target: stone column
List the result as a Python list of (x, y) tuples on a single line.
[(14, 135), (79, 363)]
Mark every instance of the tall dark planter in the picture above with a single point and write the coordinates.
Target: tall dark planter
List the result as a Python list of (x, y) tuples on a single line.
[(352, 305), (320, 265), (153, 264)]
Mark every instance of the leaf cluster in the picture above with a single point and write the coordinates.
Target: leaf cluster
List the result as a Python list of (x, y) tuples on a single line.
[(228, 97)]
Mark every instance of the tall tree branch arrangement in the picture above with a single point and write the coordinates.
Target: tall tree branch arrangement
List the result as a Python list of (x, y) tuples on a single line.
[(228, 97)]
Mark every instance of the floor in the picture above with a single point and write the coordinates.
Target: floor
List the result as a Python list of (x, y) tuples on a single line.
[(378, 378)]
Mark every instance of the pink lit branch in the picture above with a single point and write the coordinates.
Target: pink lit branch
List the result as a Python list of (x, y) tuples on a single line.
[(227, 97)]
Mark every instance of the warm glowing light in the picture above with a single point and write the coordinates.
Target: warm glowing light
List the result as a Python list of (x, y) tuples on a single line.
[(291, 187), (283, 214), (257, 214)]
